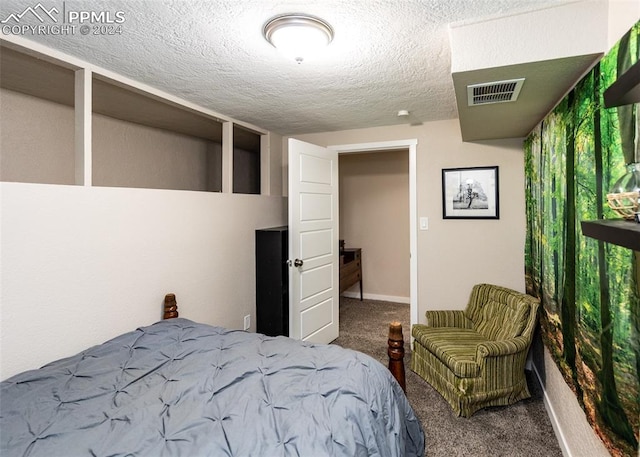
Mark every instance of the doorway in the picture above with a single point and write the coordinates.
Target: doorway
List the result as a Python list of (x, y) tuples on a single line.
[(374, 216), (410, 146)]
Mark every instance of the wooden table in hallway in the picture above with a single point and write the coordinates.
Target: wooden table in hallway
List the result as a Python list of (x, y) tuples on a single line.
[(350, 268)]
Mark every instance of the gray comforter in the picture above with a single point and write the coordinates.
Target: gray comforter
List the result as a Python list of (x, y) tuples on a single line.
[(178, 388)]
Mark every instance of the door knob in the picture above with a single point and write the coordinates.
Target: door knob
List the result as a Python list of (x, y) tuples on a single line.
[(298, 263)]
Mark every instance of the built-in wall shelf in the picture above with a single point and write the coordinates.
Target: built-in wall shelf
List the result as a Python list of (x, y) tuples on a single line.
[(114, 99), (625, 90), (36, 76), (230, 154), (617, 231)]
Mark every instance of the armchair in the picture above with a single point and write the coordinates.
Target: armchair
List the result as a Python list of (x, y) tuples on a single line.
[(475, 358)]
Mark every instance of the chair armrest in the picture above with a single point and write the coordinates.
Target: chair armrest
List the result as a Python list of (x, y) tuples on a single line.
[(502, 347), (502, 363), (448, 318)]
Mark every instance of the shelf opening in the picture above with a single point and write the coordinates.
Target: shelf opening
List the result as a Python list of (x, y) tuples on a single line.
[(246, 161)]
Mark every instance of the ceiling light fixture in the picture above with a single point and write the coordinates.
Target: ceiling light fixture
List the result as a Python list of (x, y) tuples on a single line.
[(298, 36)]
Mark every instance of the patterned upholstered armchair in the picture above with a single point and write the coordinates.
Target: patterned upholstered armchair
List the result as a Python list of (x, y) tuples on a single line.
[(476, 357)]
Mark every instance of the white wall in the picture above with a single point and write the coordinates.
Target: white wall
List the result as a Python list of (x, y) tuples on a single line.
[(575, 435), (566, 30), (83, 264), (622, 15), (453, 255)]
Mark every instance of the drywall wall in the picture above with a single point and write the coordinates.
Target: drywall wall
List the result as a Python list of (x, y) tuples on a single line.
[(575, 435), (36, 140), (453, 255), (570, 29), (374, 215), (622, 14), (83, 264)]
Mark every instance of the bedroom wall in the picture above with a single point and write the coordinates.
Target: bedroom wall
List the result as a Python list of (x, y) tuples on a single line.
[(575, 435), (374, 215), (83, 264), (453, 255)]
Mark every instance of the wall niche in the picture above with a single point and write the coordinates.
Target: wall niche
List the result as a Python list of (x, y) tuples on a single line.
[(144, 141), (37, 118), (140, 137), (246, 161)]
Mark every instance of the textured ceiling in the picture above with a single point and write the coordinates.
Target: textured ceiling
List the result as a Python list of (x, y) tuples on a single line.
[(387, 55)]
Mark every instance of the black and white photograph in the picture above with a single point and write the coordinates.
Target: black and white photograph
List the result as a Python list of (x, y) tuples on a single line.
[(470, 193)]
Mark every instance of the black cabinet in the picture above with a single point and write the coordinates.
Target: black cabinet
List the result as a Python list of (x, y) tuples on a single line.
[(272, 281)]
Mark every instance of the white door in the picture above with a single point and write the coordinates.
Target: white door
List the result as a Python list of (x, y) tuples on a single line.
[(313, 242)]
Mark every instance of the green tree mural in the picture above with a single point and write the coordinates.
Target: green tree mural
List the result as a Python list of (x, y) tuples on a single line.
[(568, 303), (589, 289)]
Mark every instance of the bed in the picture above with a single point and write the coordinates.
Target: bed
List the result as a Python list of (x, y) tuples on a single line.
[(181, 388)]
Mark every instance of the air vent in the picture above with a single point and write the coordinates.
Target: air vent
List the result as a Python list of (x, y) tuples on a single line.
[(495, 92)]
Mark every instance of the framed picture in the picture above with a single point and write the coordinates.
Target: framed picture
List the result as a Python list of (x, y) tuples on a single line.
[(470, 193)]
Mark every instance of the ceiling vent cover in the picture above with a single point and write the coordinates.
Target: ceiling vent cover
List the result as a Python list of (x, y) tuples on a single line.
[(494, 92)]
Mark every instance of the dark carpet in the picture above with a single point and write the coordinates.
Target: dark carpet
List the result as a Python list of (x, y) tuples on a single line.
[(522, 429)]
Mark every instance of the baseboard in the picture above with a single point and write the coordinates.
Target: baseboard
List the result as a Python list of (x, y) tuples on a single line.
[(562, 441), (391, 298)]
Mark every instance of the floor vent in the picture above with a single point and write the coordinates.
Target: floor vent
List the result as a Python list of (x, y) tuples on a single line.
[(495, 92)]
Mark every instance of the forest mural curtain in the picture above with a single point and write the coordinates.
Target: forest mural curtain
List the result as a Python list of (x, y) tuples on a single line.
[(590, 319)]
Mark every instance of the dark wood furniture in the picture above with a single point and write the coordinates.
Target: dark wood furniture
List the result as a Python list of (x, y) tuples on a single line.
[(170, 307), (395, 352), (350, 268), (617, 231), (625, 90), (272, 281)]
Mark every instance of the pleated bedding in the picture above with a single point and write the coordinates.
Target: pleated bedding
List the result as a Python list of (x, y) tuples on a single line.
[(180, 388)]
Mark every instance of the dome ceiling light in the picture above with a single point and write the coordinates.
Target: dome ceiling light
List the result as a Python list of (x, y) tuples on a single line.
[(298, 36)]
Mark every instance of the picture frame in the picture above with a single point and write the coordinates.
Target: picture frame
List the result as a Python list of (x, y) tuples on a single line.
[(470, 193)]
